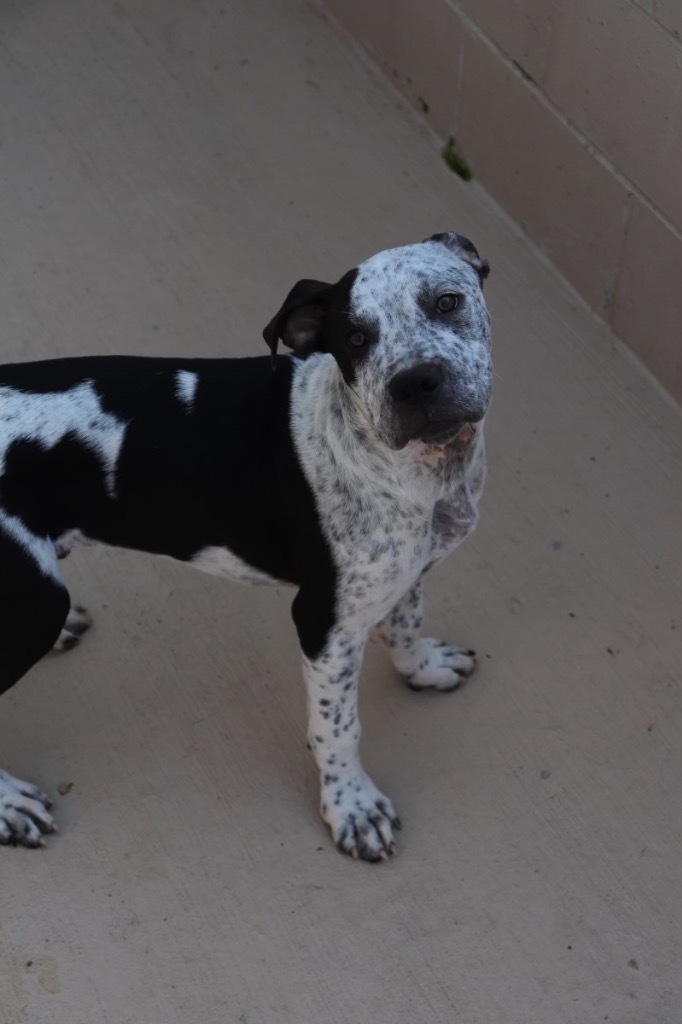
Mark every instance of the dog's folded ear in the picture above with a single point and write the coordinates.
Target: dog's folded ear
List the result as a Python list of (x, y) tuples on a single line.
[(464, 248), (299, 322)]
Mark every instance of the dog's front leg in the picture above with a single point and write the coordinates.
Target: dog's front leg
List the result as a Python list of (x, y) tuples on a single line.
[(360, 817), (426, 663)]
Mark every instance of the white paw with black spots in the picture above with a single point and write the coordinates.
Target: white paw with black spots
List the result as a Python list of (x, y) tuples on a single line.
[(360, 817), (438, 666), (78, 622), (24, 813)]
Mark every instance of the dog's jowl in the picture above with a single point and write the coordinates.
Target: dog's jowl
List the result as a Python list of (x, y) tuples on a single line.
[(345, 469)]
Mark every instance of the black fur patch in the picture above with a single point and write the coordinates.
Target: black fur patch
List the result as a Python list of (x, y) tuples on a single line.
[(222, 472)]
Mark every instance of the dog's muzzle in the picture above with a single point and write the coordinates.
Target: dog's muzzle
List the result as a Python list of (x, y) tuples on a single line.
[(429, 405)]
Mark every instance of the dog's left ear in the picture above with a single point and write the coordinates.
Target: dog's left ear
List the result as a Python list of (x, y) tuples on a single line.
[(464, 248), (298, 323)]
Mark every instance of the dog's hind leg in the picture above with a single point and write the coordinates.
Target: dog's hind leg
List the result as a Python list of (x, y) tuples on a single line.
[(34, 604), (78, 622), (425, 663)]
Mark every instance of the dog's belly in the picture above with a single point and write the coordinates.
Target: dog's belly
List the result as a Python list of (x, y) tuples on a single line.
[(219, 561), (66, 542)]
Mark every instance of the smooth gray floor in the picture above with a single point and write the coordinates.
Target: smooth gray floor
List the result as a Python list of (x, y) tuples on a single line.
[(169, 169)]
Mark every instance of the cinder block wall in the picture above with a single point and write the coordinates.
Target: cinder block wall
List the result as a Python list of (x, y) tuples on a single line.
[(570, 113)]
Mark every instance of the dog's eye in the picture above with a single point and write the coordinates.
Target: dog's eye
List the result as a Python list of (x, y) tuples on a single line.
[(356, 340), (446, 303)]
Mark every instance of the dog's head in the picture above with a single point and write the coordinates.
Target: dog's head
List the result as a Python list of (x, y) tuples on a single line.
[(410, 331)]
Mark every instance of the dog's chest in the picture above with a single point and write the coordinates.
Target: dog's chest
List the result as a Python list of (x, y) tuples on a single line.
[(377, 557), (380, 552)]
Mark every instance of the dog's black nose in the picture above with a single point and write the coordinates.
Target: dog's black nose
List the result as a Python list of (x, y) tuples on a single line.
[(418, 385)]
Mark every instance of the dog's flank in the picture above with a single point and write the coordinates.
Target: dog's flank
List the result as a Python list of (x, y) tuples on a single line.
[(346, 471)]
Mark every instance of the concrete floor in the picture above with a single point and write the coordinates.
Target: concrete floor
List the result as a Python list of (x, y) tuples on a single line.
[(168, 171)]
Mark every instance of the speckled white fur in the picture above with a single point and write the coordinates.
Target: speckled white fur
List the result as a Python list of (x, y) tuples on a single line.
[(424, 662), (383, 515), (387, 516), (386, 294)]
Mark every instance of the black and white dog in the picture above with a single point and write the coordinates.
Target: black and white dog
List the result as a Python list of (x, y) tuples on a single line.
[(346, 471)]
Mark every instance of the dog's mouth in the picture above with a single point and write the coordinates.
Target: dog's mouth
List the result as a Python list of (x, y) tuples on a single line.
[(447, 432), (457, 434), (428, 427)]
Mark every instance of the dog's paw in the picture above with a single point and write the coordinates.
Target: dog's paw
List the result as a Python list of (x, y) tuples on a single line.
[(437, 666), (24, 813), (360, 817), (77, 623)]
